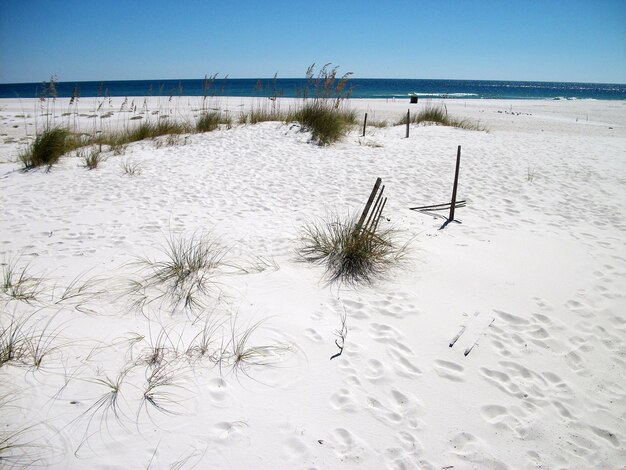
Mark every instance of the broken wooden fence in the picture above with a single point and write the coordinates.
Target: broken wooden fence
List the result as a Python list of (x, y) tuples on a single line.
[(370, 217)]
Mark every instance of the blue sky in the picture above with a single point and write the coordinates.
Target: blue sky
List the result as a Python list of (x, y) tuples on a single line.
[(552, 40)]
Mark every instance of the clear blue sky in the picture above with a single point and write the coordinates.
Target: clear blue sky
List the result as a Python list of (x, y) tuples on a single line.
[(552, 40)]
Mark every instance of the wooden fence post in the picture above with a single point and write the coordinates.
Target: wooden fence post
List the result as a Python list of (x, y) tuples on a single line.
[(364, 124), (456, 181), (408, 121), (359, 225)]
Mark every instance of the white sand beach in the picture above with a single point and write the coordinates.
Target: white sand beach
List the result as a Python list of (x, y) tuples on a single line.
[(534, 279)]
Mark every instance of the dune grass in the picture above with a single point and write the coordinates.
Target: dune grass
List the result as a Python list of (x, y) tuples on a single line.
[(211, 120), (322, 111), (183, 276), (326, 123), (19, 284), (91, 158), (48, 147), (24, 342), (438, 114), (350, 255), (256, 115)]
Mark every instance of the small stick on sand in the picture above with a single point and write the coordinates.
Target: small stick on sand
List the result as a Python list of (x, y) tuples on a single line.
[(342, 333), (458, 335), (469, 350)]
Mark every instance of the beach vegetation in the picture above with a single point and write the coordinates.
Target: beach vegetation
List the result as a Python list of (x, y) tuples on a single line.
[(17, 444), (240, 355), (211, 120), (349, 253), (323, 111), (23, 343), (19, 284), (378, 123), (326, 123), (183, 275), (47, 147), (91, 158), (438, 115)]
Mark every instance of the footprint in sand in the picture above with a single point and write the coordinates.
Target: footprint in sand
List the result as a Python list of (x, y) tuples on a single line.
[(343, 400), (402, 365), (295, 450), (313, 335), (349, 447), (230, 432), (374, 370), (449, 370), (218, 391)]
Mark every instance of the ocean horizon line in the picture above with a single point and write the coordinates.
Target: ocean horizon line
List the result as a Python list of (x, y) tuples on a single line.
[(293, 87)]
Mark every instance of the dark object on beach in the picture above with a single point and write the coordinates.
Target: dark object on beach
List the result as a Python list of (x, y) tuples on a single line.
[(413, 99), (374, 215), (408, 121), (453, 204), (364, 124)]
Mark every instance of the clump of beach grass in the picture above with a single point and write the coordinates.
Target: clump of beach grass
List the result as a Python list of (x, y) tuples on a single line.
[(262, 114), (326, 123), (47, 147), (349, 253), (24, 342), (211, 120), (19, 283), (183, 276), (438, 114), (91, 158), (131, 168), (145, 130), (322, 111)]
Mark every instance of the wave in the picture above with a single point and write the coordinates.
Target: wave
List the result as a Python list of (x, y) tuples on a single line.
[(443, 95)]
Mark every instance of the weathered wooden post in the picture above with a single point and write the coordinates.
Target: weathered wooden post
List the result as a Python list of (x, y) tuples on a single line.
[(364, 124), (408, 121), (456, 181), (359, 225)]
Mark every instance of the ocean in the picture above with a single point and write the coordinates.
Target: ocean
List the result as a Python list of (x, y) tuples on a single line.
[(361, 88)]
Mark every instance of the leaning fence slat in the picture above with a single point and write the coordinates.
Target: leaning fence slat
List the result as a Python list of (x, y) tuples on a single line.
[(380, 213), (368, 204), (370, 219)]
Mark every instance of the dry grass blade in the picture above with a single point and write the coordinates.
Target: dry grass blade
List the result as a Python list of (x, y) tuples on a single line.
[(241, 355), (201, 344), (107, 404), (159, 391), (15, 339)]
